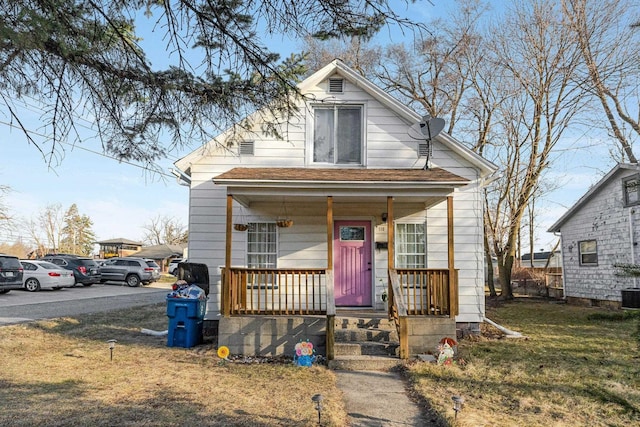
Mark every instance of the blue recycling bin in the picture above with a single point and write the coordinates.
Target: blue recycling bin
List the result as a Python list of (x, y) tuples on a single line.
[(185, 321)]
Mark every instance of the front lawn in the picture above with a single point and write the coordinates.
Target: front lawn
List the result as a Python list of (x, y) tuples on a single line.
[(577, 367)]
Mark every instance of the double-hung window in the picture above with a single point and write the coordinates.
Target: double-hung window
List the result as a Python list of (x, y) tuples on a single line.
[(262, 248), (337, 134), (588, 252), (411, 246)]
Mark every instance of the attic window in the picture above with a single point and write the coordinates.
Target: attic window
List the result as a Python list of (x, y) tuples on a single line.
[(336, 85), (631, 190), (246, 148)]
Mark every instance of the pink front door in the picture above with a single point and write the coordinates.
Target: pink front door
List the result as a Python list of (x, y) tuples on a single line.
[(352, 263)]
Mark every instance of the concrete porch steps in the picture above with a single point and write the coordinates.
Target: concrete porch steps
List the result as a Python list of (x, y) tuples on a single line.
[(367, 342)]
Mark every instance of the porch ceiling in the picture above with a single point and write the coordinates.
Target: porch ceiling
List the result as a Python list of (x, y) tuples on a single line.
[(408, 185)]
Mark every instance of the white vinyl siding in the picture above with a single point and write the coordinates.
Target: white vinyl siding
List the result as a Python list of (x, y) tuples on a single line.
[(385, 143)]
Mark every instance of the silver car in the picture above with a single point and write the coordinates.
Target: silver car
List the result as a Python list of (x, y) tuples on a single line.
[(131, 270), (45, 275)]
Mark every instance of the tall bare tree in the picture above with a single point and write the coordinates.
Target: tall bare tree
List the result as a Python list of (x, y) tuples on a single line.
[(609, 45), (356, 52), (163, 229), (46, 229), (5, 215), (536, 55)]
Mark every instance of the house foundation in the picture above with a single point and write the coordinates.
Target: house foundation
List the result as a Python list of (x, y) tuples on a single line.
[(271, 335)]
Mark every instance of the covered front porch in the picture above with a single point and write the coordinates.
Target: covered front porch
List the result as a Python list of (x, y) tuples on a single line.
[(267, 310)]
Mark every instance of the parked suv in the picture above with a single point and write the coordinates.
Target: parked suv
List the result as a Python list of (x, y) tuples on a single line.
[(85, 269), (10, 273), (173, 265), (130, 270), (155, 274)]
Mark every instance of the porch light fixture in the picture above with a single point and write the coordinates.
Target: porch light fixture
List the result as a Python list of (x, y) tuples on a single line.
[(458, 402), (317, 399), (384, 216)]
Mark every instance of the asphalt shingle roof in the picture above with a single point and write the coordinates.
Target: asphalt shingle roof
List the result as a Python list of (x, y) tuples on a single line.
[(341, 175)]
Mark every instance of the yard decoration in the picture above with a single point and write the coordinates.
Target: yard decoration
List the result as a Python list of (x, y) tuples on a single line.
[(304, 354), (223, 352), (446, 351)]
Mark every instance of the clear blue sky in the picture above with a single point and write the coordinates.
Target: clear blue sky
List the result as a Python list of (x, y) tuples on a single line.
[(121, 198)]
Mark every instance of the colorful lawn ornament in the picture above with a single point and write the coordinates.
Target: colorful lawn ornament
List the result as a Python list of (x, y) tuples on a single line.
[(304, 354)]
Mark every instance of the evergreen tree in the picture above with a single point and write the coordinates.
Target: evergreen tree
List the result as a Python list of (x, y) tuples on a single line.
[(77, 235), (74, 59)]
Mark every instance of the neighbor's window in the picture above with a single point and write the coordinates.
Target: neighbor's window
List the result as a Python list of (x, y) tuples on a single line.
[(262, 245), (411, 246), (631, 190), (337, 134), (588, 252)]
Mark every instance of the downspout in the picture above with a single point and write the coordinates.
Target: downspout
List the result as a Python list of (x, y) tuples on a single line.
[(563, 255), (631, 244)]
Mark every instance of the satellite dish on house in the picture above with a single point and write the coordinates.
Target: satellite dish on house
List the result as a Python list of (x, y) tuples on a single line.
[(430, 127)]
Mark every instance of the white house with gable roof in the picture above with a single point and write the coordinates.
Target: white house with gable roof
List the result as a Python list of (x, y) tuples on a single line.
[(342, 216)]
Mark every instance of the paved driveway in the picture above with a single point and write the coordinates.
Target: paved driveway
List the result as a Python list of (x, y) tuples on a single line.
[(22, 306)]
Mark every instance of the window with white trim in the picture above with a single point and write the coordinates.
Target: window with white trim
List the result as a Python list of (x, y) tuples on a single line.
[(588, 252), (262, 245), (337, 134), (411, 246), (631, 190)]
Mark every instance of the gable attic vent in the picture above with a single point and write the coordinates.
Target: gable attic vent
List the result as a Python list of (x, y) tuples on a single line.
[(246, 148), (423, 149), (336, 85)]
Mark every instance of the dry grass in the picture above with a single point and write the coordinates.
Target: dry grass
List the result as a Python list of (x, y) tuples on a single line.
[(574, 369), (59, 373)]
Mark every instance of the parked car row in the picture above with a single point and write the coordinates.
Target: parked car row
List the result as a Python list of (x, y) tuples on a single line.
[(56, 271)]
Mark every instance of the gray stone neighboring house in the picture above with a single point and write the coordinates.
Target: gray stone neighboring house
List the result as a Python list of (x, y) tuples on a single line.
[(161, 254), (600, 230)]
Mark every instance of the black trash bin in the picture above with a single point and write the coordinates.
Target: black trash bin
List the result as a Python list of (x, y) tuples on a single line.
[(194, 274)]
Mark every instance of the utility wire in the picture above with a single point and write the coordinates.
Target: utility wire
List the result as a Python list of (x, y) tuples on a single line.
[(78, 146)]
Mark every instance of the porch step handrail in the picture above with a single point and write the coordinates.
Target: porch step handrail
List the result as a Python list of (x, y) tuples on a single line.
[(331, 317), (398, 313)]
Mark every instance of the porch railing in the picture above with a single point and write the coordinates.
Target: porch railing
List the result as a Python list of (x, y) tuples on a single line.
[(420, 292), (428, 291), (277, 291)]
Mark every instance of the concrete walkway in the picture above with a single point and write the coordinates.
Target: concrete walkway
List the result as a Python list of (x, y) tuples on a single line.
[(379, 399)]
